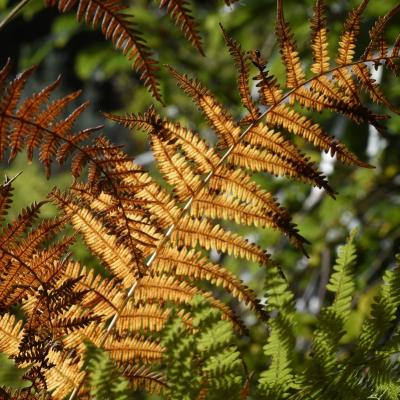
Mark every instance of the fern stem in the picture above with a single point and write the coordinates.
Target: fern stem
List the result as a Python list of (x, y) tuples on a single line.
[(208, 177), (13, 13)]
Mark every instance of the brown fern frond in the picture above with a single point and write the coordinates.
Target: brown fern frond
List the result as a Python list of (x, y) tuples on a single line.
[(269, 89), (180, 12), (118, 26), (36, 124), (377, 42), (5, 198), (104, 297), (371, 87), (142, 378), (295, 75), (241, 64)]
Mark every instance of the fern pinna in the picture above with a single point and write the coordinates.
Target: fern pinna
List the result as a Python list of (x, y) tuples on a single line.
[(154, 239)]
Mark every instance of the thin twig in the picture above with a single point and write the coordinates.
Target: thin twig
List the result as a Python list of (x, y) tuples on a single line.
[(13, 13)]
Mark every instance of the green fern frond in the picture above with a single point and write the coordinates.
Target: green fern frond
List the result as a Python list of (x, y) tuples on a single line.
[(275, 383)]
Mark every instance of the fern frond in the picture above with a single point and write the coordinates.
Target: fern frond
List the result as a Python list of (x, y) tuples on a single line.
[(63, 375), (117, 26), (219, 118), (277, 381), (11, 334), (191, 264), (180, 12), (192, 231), (295, 75), (241, 63), (117, 258), (143, 378), (319, 41)]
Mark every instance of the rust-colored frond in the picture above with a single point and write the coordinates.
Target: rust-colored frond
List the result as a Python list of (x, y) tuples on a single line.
[(295, 75), (5, 198), (117, 26), (116, 257), (191, 264), (224, 125), (371, 87), (142, 378), (241, 63), (10, 334), (377, 41), (319, 41), (36, 123), (348, 39), (193, 231), (180, 12), (269, 89), (26, 263)]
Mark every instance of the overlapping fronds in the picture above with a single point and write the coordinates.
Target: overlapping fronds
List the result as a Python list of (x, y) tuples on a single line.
[(25, 262)]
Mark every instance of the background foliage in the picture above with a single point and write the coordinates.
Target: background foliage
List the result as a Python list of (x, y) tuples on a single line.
[(368, 199)]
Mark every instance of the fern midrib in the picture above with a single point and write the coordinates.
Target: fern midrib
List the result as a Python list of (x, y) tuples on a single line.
[(208, 177)]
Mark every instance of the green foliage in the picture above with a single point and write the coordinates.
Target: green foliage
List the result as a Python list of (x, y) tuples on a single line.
[(105, 381), (202, 361)]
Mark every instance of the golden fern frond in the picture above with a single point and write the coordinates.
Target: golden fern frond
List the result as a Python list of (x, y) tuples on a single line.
[(348, 39), (142, 378), (131, 349), (289, 119), (119, 259), (192, 231), (146, 318), (295, 75), (104, 297), (180, 12), (163, 288), (10, 334), (220, 120), (62, 377), (319, 41), (175, 169), (191, 264), (119, 27)]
